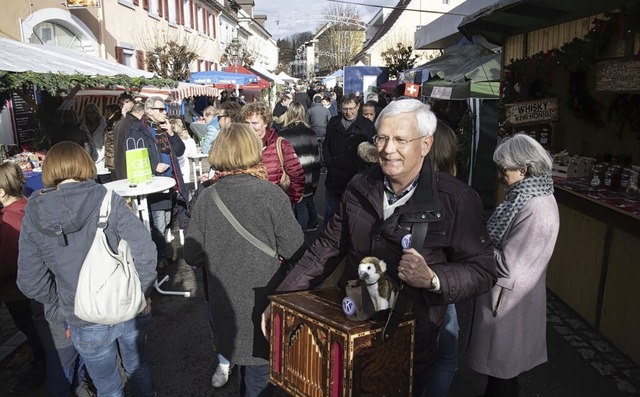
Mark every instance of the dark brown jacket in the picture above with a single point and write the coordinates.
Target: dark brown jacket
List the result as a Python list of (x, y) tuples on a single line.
[(458, 248)]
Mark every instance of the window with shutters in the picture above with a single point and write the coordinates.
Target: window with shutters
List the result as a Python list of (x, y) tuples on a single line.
[(186, 14), (171, 14), (212, 26), (154, 9), (200, 14), (125, 56), (140, 59)]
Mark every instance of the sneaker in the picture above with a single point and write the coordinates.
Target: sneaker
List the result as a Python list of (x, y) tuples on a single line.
[(221, 376), (169, 237)]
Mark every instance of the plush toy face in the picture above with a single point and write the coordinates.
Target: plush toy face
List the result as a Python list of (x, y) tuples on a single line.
[(370, 269)]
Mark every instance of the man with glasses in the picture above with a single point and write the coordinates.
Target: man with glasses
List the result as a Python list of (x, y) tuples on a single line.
[(340, 150), (164, 149), (426, 225)]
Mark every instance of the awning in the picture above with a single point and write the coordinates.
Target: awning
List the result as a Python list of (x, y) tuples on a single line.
[(183, 90), (286, 78), (217, 78), (511, 17), (442, 89), (22, 57), (262, 72), (256, 85)]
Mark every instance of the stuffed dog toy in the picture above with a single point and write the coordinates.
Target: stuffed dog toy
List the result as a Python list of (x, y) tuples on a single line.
[(381, 288)]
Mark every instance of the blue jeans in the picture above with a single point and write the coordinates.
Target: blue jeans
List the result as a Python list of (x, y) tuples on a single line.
[(98, 345), (254, 381), (331, 203), (306, 212), (160, 219), (437, 379)]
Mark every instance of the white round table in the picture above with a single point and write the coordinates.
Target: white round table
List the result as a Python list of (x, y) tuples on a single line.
[(139, 193)]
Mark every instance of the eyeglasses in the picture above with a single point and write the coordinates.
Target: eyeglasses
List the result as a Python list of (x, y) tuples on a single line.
[(381, 141), (221, 116), (353, 109)]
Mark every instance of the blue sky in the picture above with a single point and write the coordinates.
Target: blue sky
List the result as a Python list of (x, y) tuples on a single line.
[(285, 17)]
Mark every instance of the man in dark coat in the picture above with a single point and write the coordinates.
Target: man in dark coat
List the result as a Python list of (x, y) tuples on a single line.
[(426, 225), (164, 149), (340, 150)]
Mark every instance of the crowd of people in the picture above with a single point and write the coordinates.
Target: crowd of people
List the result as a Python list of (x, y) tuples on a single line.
[(388, 165)]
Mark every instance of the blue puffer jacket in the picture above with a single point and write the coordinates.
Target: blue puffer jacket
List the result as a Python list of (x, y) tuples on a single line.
[(57, 231)]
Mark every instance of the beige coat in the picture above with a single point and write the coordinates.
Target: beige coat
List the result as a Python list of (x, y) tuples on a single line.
[(508, 334)]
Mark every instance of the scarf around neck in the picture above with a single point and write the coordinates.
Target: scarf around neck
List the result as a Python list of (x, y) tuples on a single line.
[(259, 171), (516, 197)]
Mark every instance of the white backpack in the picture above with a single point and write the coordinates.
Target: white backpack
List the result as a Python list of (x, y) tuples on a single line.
[(109, 290)]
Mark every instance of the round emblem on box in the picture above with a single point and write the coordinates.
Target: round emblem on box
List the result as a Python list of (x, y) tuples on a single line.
[(348, 306)]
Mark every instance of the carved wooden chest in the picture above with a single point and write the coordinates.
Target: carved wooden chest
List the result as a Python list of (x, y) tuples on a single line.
[(317, 351)]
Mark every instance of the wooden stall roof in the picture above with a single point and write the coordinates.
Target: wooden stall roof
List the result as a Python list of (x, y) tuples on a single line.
[(510, 17)]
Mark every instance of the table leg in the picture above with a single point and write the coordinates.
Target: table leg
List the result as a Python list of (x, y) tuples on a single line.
[(195, 173), (186, 294), (143, 211)]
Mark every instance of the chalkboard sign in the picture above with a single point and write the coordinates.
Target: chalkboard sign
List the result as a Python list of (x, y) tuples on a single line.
[(25, 120), (618, 75), (532, 112)]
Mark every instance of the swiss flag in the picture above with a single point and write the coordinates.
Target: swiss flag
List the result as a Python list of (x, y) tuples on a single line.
[(412, 90)]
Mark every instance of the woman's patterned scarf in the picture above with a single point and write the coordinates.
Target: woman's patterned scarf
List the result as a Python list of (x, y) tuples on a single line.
[(516, 197), (259, 171)]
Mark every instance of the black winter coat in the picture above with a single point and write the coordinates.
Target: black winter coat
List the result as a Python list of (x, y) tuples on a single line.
[(305, 144), (458, 248), (340, 151)]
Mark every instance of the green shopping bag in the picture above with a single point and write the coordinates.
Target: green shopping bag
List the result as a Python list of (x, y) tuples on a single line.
[(138, 165)]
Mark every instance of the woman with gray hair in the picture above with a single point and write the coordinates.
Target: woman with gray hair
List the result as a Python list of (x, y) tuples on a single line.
[(509, 325)]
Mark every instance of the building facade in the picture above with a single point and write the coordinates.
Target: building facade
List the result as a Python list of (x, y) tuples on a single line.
[(124, 30)]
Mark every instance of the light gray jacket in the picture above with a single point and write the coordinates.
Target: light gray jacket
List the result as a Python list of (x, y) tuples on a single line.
[(509, 332), (239, 275)]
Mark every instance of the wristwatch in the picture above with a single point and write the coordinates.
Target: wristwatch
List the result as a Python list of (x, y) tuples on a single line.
[(435, 283)]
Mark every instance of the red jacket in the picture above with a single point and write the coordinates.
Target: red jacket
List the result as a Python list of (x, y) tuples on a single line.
[(291, 165), (10, 225)]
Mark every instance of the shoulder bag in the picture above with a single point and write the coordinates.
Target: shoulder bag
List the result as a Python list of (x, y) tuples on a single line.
[(109, 290), (285, 181)]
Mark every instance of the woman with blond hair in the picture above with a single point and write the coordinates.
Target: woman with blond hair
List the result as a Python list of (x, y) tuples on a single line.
[(241, 276), (57, 231)]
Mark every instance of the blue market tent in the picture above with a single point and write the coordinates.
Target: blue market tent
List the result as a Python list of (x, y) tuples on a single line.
[(224, 78)]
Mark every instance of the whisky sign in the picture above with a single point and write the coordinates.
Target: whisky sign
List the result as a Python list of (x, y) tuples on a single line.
[(532, 112)]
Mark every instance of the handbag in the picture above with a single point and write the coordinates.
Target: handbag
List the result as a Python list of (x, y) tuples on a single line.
[(109, 290), (138, 164), (239, 228), (285, 181)]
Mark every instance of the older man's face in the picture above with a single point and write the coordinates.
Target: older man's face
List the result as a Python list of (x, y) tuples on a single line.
[(402, 154), (157, 112)]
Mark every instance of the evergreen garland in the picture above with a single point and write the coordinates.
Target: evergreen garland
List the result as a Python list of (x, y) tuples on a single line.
[(574, 61)]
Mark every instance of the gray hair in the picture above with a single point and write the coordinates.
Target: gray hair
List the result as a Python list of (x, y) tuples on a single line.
[(425, 119), (520, 151), (150, 101)]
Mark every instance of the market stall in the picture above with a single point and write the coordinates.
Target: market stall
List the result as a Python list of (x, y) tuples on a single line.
[(571, 80)]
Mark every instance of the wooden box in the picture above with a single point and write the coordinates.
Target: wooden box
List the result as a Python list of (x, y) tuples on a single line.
[(317, 351)]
